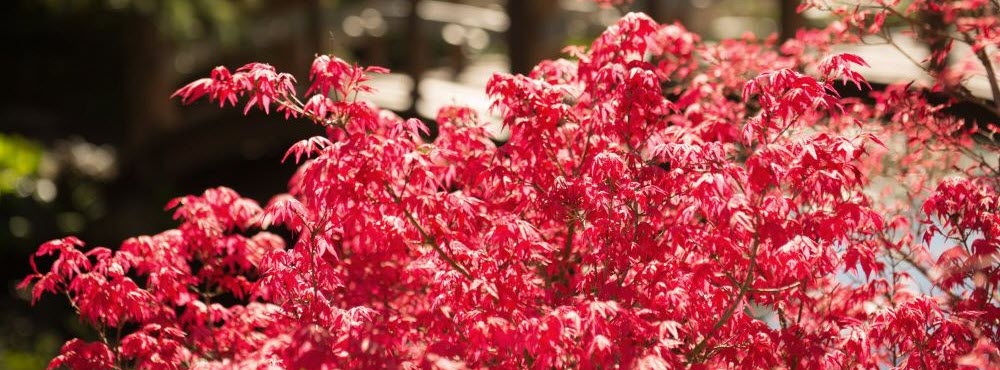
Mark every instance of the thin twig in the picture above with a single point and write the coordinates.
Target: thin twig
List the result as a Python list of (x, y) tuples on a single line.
[(427, 238), (696, 353), (990, 73)]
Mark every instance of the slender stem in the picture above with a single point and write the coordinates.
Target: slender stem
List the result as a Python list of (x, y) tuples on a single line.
[(778, 289), (990, 72), (697, 352), (916, 266), (211, 324), (427, 238), (961, 91), (568, 245)]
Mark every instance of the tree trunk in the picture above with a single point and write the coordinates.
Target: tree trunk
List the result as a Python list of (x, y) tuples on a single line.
[(791, 20), (527, 39), (669, 11), (416, 52)]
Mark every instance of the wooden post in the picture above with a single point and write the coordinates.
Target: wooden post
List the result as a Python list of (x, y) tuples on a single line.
[(791, 20), (527, 41), (416, 50)]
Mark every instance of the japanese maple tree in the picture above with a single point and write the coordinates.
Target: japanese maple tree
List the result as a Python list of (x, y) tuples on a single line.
[(662, 202)]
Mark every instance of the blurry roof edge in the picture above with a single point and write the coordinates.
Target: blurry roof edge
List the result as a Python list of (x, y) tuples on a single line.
[(889, 64)]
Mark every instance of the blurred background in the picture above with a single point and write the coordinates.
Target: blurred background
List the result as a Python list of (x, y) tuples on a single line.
[(91, 145)]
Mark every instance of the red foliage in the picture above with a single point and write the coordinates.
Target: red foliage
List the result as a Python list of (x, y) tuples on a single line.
[(662, 203)]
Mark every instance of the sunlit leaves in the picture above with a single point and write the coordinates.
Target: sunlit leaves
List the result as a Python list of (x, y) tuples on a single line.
[(662, 202)]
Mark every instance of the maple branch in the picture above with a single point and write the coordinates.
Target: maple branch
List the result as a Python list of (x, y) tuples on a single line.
[(586, 147), (211, 324), (961, 91), (990, 73), (980, 159), (568, 245), (427, 238), (778, 289), (99, 328), (916, 266), (696, 353), (297, 106)]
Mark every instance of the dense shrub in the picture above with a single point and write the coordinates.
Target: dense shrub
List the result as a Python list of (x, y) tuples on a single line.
[(662, 202)]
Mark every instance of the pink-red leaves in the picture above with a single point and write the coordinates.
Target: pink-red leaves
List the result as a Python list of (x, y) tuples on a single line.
[(222, 87), (307, 147), (156, 348), (284, 210), (69, 263), (839, 66), (334, 75), (259, 81), (641, 215), (79, 355)]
